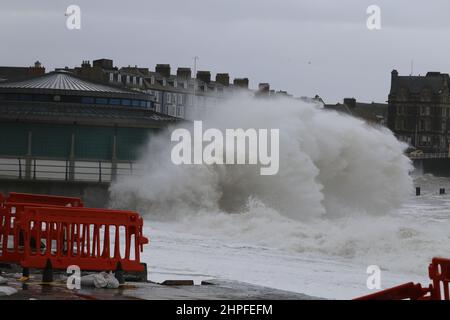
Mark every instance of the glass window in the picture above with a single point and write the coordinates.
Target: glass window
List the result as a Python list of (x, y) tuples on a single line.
[(87, 100), (126, 102), (135, 103), (143, 104), (114, 102), (26, 97), (101, 101)]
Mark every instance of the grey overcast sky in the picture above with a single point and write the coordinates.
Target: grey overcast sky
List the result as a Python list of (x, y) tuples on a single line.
[(306, 47)]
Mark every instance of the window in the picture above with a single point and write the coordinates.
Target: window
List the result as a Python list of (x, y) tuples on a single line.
[(425, 111), (443, 125), (444, 112), (400, 110), (111, 77), (400, 124), (114, 102), (101, 101), (179, 111), (135, 103), (126, 102), (425, 140), (180, 98), (169, 97), (87, 100), (26, 97), (128, 79), (424, 125)]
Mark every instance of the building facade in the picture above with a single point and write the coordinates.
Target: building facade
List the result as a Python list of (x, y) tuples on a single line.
[(419, 110), (60, 126)]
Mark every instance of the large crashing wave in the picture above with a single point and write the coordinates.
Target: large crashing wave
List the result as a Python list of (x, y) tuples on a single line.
[(336, 194), (330, 165)]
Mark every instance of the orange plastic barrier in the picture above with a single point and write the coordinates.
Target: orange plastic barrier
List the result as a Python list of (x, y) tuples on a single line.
[(405, 291), (44, 199), (88, 238), (11, 239), (439, 272)]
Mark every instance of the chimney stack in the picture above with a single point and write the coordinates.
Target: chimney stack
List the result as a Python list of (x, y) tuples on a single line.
[(350, 102), (163, 69), (264, 87), (205, 76), (85, 64), (103, 64), (223, 78), (241, 82), (184, 73)]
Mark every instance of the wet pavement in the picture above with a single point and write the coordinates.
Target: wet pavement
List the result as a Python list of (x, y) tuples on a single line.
[(211, 290)]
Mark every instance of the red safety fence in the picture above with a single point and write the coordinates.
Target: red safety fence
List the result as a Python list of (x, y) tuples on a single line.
[(88, 238), (11, 238), (44, 199), (35, 229), (439, 272), (409, 290)]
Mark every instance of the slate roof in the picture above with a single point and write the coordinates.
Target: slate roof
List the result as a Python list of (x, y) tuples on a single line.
[(62, 80), (107, 115)]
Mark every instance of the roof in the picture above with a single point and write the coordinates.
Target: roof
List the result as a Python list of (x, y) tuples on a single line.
[(415, 84), (83, 114), (62, 80)]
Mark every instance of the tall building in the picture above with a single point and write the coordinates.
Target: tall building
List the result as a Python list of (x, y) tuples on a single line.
[(418, 110)]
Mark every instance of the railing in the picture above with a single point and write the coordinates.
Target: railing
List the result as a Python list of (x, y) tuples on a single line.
[(65, 169), (442, 155)]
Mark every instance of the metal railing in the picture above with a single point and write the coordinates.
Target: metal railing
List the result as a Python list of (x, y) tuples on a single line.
[(81, 170), (442, 155)]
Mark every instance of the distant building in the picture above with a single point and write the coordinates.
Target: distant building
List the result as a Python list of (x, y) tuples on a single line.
[(180, 95), (419, 109), (11, 73), (374, 113)]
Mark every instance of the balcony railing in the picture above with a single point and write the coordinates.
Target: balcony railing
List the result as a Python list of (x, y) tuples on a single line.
[(79, 170)]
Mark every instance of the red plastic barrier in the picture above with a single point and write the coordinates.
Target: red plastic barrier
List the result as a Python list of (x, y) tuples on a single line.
[(11, 239), (439, 272), (81, 236), (405, 291), (44, 199)]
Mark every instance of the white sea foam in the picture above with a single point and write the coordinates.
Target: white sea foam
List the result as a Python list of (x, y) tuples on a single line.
[(337, 193)]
